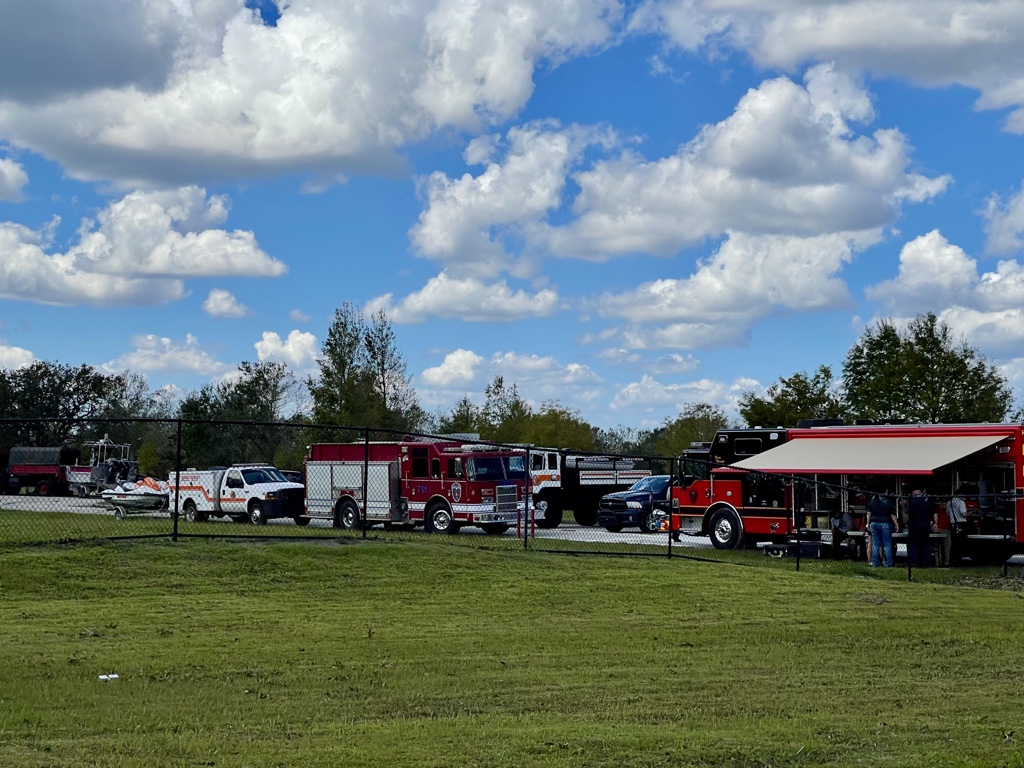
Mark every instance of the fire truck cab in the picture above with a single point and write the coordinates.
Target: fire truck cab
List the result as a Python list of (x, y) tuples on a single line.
[(731, 507), (564, 480), (441, 485)]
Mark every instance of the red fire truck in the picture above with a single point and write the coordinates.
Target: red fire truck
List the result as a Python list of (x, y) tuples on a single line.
[(755, 485), (440, 485)]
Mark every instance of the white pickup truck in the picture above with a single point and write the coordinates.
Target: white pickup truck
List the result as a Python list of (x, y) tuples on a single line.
[(244, 492)]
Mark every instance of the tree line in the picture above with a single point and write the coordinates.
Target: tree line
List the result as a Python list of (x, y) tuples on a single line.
[(919, 373)]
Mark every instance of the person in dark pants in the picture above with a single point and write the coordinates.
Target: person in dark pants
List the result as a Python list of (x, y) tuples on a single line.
[(955, 543), (920, 520)]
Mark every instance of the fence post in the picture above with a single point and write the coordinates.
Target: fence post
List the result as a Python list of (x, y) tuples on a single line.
[(527, 502), (799, 528), (366, 476), (177, 475), (675, 474)]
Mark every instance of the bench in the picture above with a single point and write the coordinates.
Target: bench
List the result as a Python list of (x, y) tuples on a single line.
[(1014, 560)]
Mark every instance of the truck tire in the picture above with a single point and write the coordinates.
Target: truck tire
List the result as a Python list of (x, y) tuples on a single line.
[(256, 514), (583, 517), (495, 529), (553, 514), (725, 530), (439, 519), (44, 488), (300, 520), (613, 528), (650, 522), (348, 516), (191, 514)]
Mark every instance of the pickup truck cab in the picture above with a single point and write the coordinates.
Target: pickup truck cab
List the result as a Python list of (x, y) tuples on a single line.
[(638, 506), (244, 492)]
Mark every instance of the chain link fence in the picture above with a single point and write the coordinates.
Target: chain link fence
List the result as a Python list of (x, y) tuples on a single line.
[(179, 479)]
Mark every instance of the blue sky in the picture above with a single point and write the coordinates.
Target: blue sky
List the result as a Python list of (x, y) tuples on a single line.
[(624, 207)]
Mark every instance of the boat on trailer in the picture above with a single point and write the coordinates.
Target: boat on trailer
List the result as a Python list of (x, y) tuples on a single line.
[(148, 495)]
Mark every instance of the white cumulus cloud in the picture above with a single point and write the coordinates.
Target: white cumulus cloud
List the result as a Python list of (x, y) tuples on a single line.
[(937, 276), (159, 353), (650, 396), (746, 279), (172, 92), (12, 358), (12, 179), (468, 219), (135, 253), (466, 299), (786, 162), (458, 368), (221, 303), (1005, 224), (299, 350), (538, 379), (935, 43)]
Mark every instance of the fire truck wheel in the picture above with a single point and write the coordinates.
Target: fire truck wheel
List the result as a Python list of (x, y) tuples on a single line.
[(725, 529), (495, 529), (552, 515), (256, 514), (348, 516), (440, 520), (585, 518), (43, 488)]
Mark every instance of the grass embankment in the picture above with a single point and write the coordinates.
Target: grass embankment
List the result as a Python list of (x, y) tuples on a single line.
[(421, 654)]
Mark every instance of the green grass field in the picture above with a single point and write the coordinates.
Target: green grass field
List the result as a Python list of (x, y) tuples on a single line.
[(417, 653)]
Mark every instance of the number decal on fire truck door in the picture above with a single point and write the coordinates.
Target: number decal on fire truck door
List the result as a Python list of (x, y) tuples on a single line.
[(456, 492)]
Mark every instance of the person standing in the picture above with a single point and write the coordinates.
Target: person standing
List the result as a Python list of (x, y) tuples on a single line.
[(920, 522), (956, 510), (881, 524), (840, 525)]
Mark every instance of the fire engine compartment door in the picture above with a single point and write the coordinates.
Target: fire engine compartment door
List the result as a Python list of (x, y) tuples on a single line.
[(399, 511), (908, 455)]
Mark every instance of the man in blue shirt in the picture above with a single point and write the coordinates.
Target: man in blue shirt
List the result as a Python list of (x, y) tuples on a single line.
[(881, 524)]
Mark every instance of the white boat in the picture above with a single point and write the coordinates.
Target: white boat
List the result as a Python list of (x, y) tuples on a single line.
[(148, 495)]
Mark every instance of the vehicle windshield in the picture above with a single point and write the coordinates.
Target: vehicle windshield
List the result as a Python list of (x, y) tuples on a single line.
[(485, 468), (515, 467), (652, 484), (263, 475)]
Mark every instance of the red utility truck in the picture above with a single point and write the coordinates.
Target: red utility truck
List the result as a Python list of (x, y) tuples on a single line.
[(441, 485)]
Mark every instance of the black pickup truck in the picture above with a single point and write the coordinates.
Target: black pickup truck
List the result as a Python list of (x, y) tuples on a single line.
[(637, 506)]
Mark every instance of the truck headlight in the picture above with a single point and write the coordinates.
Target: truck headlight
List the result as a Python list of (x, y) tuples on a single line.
[(271, 496)]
